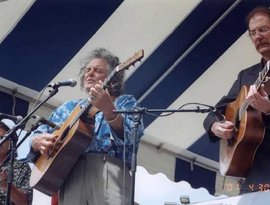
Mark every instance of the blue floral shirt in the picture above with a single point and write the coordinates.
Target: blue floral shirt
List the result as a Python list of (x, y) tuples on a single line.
[(105, 140)]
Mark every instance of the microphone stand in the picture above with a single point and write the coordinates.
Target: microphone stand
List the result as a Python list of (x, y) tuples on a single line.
[(13, 140), (137, 114)]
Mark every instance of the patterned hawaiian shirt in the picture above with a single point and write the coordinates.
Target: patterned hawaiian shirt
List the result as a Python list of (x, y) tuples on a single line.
[(105, 140), (21, 176)]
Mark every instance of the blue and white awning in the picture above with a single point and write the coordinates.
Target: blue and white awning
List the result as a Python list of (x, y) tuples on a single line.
[(193, 52)]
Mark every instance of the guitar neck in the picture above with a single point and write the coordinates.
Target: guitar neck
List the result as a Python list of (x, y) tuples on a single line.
[(259, 81), (109, 79), (85, 108)]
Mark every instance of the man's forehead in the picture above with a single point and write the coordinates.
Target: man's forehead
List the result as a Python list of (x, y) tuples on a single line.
[(259, 18)]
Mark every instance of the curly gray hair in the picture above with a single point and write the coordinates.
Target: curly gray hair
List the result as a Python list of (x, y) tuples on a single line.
[(116, 86)]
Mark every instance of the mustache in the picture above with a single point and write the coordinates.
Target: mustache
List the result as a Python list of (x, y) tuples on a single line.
[(261, 44)]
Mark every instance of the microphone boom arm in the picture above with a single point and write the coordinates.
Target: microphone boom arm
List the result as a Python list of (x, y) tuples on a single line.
[(13, 141), (23, 122), (146, 110)]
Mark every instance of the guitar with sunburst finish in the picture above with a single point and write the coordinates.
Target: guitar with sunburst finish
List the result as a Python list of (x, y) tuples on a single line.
[(237, 154)]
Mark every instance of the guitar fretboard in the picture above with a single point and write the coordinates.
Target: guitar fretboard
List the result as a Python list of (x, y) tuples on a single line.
[(258, 83)]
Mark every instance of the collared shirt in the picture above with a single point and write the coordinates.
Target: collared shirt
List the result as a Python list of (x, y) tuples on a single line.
[(21, 176), (105, 140)]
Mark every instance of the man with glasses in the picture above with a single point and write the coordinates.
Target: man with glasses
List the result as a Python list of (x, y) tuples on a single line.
[(258, 177)]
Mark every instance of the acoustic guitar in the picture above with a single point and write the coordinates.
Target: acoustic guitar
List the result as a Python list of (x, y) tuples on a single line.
[(73, 137), (237, 154)]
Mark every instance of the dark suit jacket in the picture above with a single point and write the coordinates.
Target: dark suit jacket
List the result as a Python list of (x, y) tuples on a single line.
[(259, 176)]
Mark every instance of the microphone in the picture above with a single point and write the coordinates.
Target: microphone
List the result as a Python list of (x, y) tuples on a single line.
[(14, 118), (42, 120), (69, 82)]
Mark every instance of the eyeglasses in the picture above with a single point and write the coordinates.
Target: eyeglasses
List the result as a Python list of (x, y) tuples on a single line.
[(262, 30)]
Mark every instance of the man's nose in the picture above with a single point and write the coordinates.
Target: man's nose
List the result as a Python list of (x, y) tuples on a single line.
[(257, 35), (89, 72)]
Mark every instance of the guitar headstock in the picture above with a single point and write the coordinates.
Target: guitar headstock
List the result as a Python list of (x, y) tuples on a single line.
[(131, 61), (263, 76), (124, 66)]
